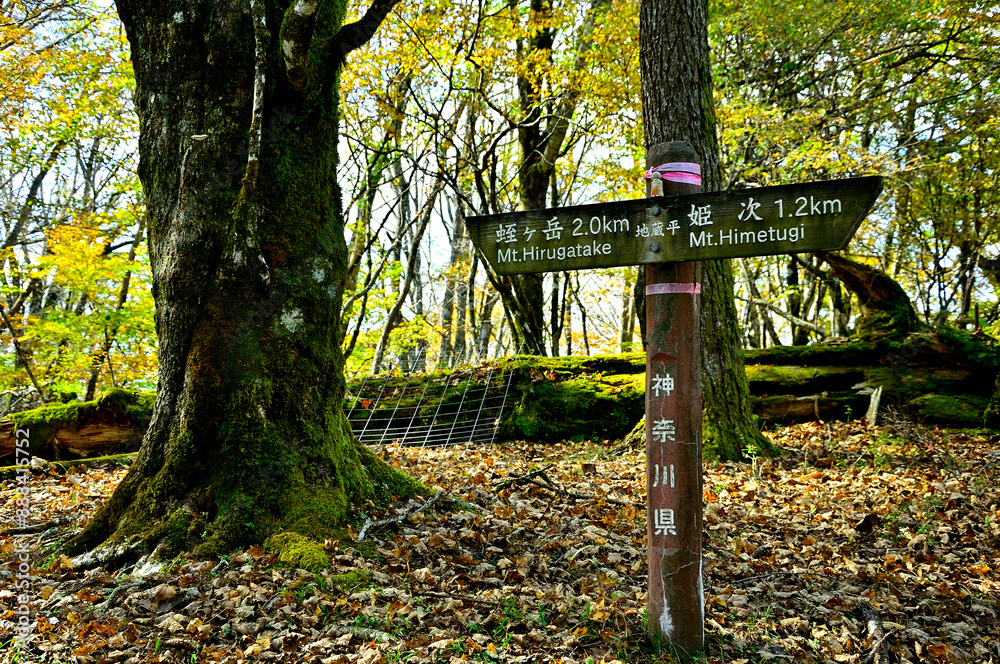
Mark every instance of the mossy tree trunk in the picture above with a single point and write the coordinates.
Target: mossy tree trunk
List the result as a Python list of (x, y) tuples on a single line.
[(677, 105), (886, 310), (237, 157)]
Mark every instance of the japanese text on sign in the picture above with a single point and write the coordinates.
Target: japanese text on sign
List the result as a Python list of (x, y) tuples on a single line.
[(668, 479), (664, 430), (663, 522), (662, 384)]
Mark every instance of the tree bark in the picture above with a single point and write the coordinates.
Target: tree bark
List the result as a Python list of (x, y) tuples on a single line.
[(248, 437), (886, 310), (677, 105)]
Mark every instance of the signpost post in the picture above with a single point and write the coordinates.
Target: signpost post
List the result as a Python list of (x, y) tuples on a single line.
[(670, 231), (675, 600)]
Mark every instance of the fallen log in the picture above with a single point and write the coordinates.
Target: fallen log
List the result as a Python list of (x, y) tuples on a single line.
[(944, 377), (114, 422)]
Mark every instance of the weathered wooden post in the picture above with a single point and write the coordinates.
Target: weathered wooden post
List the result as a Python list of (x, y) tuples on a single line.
[(668, 230), (675, 607)]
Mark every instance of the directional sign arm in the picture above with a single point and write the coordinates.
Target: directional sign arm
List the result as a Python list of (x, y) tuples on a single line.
[(795, 218)]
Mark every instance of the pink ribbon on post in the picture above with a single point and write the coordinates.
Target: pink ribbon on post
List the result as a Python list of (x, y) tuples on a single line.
[(677, 171), (669, 288)]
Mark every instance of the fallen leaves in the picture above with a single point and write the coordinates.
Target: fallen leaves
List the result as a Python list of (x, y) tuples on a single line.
[(792, 548)]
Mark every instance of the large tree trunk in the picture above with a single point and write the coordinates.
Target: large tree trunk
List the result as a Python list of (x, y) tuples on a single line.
[(248, 436), (677, 106)]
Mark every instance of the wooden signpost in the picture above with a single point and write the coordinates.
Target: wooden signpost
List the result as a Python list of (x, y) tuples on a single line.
[(792, 218), (669, 234)]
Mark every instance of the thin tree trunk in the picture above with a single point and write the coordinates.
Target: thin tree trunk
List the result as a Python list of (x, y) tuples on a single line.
[(417, 354), (490, 300), (567, 309), (555, 316), (423, 219), (583, 315), (112, 332), (471, 295), (451, 287), (626, 320)]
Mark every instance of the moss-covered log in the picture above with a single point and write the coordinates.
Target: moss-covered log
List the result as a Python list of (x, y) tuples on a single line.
[(944, 377), (114, 422), (575, 398), (545, 399)]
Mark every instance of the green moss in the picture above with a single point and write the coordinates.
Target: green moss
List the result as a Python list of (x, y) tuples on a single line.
[(571, 398), (575, 397), (966, 411), (892, 323), (311, 499), (240, 522), (172, 534), (574, 365), (980, 351), (350, 580), (115, 404), (856, 353), (799, 380), (298, 551), (53, 414), (388, 483)]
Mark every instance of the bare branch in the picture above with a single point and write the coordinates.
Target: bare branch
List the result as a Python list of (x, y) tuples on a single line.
[(22, 218), (787, 316), (25, 361)]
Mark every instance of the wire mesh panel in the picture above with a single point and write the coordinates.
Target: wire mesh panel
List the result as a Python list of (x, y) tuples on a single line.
[(461, 406)]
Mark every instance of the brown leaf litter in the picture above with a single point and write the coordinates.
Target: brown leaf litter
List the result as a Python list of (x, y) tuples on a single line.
[(857, 545)]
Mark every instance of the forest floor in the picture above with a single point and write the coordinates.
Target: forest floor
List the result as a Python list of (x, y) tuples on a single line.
[(859, 544)]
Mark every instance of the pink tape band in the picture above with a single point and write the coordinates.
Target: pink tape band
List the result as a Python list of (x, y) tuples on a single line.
[(683, 177), (676, 166), (678, 171), (669, 289)]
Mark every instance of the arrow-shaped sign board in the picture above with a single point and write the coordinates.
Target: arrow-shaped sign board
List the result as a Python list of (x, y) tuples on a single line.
[(792, 218)]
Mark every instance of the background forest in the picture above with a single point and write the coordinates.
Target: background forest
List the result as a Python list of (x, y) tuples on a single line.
[(475, 107)]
